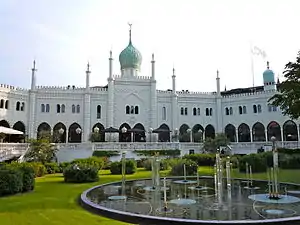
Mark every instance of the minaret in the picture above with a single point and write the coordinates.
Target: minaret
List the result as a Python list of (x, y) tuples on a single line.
[(33, 76), (87, 81), (153, 68), (219, 127), (174, 103), (153, 97), (269, 79), (32, 131), (173, 81), (110, 94), (87, 107)]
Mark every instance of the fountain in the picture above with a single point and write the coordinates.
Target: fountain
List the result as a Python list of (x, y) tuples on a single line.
[(155, 168), (181, 200)]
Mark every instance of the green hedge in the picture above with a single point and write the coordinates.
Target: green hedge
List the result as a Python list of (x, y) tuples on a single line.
[(147, 164), (52, 168), (105, 153), (16, 178), (178, 167), (168, 152), (202, 159), (91, 161), (81, 173), (116, 167)]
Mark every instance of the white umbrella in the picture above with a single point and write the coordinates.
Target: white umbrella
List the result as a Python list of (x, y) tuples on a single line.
[(6, 130)]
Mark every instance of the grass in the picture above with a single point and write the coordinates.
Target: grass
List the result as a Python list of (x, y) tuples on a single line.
[(54, 202)]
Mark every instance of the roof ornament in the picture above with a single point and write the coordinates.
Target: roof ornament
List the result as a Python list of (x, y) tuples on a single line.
[(88, 67), (130, 25), (34, 67), (268, 65)]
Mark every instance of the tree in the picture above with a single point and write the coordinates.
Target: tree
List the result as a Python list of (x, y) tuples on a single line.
[(41, 150), (96, 137), (212, 144), (288, 98)]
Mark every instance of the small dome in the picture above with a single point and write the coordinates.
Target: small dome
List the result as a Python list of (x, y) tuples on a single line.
[(268, 75), (130, 57)]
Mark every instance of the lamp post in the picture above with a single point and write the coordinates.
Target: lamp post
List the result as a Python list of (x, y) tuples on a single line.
[(96, 129), (61, 132), (150, 133), (124, 130), (201, 135), (275, 167), (191, 134), (78, 132), (176, 135)]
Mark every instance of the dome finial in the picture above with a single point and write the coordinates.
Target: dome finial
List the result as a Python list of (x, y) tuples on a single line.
[(268, 65), (130, 25)]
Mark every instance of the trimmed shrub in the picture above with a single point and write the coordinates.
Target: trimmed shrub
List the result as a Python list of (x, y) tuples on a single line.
[(81, 173), (258, 162), (116, 167), (147, 164), (178, 167), (166, 152), (202, 159), (91, 161), (11, 181), (105, 153), (52, 168), (38, 168), (62, 166)]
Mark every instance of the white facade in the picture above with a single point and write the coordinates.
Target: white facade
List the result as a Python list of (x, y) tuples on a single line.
[(107, 106)]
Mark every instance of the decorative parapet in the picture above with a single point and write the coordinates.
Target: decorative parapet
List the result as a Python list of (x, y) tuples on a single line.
[(10, 87), (118, 77), (250, 94)]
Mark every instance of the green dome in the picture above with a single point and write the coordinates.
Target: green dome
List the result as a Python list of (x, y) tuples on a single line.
[(268, 75), (130, 57)]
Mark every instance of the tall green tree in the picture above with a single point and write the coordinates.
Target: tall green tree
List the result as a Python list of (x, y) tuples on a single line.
[(212, 144), (288, 96), (41, 150)]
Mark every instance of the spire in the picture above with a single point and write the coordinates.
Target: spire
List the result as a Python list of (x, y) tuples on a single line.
[(152, 57), (173, 71), (130, 24), (225, 89), (110, 54), (218, 74), (268, 65), (88, 68), (34, 67)]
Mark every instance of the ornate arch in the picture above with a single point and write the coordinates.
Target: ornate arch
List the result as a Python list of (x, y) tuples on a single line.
[(258, 132), (4, 123), (125, 136), (75, 133), (59, 133), (290, 131), (244, 133), (198, 132), (139, 134), (274, 129), (164, 136), (210, 131), (230, 132), (44, 130)]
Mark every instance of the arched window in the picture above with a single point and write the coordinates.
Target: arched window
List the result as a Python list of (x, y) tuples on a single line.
[(274, 108), (42, 107), (210, 111), (259, 108), (78, 109), (18, 106), (98, 111), (230, 111), (240, 110), (270, 108), (47, 108), (58, 108), (185, 111), (63, 108), (23, 106), (164, 113), (244, 110), (254, 109), (207, 112), (73, 108), (194, 111), (182, 111), (6, 104), (226, 111), (198, 111), (127, 109), (136, 110), (1, 103)]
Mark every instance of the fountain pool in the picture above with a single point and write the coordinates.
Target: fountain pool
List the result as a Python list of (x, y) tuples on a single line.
[(204, 201)]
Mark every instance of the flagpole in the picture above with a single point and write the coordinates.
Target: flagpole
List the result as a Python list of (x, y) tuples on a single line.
[(252, 63)]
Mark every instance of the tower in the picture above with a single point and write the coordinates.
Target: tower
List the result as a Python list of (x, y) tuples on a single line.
[(110, 98), (153, 97), (87, 107), (269, 79), (32, 104), (219, 105), (174, 103)]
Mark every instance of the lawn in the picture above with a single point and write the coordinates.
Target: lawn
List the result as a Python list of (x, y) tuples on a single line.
[(54, 202)]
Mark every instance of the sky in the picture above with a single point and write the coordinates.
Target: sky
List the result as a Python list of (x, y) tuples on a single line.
[(197, 37)]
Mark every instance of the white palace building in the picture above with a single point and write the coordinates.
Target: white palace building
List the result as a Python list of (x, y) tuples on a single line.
[(131, 113)]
